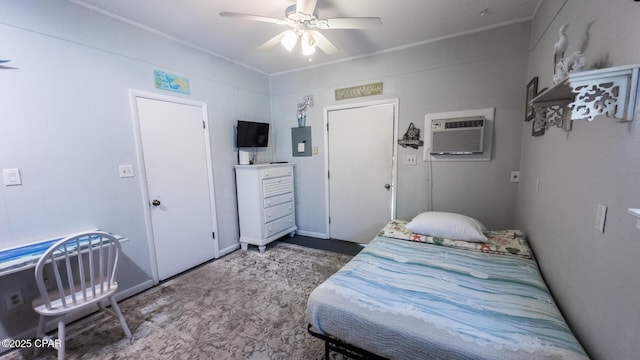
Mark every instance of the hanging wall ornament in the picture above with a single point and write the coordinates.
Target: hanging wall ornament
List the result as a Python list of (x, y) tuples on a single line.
[(307, 102), (411, 138)]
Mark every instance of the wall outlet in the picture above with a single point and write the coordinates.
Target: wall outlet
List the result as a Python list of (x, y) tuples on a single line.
[(601, 217), (515, 176), (13, 299), (125, 171), (411, 160)]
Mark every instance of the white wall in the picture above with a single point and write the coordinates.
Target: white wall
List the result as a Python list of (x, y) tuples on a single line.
[(65, 122), (593, 276), (475, 71)]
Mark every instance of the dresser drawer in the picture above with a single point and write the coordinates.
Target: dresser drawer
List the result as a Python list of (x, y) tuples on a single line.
[(277, 186), (277, 200), (278, 211), (281, 224), (276, 172)]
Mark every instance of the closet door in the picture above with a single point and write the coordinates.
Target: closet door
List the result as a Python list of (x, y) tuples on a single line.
[(361, 171), (178, 183)]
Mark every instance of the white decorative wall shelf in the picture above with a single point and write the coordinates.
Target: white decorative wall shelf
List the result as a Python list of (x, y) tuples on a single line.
[(611, 92)]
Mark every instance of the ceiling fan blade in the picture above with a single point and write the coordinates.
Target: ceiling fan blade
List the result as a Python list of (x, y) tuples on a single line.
[(324, 44), (350, 23), (306, 6), (273, 41), (253, 17)]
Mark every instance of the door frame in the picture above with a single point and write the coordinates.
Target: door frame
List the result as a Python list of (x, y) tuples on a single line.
[(394, 155), (142, 173)]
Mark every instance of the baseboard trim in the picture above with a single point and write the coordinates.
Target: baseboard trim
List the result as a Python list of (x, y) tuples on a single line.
[(312, 234), (134, 290), (229, 249)]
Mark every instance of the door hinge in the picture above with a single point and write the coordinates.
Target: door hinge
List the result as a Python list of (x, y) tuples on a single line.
[(328, 175), (204, 127), (327, 127), (329, 219), (213, 234)]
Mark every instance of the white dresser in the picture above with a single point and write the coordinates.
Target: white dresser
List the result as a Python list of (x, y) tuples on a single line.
[(266, 203)]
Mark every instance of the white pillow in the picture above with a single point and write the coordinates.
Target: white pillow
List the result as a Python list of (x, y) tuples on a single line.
[(448, 225)]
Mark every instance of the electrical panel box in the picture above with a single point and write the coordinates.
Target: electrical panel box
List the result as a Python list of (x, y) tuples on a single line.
[(301, 141)]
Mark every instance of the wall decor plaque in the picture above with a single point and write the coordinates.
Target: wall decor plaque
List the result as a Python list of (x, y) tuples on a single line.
[(359, 91), (171, 82)]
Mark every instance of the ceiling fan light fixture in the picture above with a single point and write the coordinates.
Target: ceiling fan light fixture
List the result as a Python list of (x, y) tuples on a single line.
[(289, 40), (308, 43)]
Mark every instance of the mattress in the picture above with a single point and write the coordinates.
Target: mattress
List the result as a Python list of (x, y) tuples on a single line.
[(403, 298)]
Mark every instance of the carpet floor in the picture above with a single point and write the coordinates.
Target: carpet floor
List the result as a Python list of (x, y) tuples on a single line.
[(245, 305)]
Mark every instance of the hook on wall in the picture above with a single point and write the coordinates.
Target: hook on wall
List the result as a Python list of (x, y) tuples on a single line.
[(2, 66)]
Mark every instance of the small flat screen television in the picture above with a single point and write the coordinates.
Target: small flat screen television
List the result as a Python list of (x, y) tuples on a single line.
[(252, 134)]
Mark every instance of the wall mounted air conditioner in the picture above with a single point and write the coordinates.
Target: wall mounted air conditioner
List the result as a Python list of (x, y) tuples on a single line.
[(459, 136)]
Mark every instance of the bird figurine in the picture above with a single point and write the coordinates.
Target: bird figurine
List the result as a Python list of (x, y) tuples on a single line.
[(560, 46)]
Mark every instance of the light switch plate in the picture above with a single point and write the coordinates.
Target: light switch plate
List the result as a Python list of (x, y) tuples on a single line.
[(11, 177), (601, 216)]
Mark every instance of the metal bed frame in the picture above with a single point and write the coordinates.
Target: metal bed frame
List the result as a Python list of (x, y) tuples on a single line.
[(351, 351)]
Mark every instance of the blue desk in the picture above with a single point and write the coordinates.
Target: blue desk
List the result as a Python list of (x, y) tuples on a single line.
[(25, 257)]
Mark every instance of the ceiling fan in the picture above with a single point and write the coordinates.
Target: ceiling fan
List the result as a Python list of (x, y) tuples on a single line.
[(302, 18)]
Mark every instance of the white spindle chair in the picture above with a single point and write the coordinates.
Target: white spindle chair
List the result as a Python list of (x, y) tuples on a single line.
[(82, 268)]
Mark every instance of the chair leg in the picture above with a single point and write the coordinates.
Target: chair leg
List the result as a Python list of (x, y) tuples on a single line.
[(61, 337), (123, 322), (39, 334)]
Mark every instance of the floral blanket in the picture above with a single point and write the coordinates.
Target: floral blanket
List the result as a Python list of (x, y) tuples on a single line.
[(503, 242)]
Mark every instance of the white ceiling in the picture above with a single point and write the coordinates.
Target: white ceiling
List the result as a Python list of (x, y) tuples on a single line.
[(404, 23)]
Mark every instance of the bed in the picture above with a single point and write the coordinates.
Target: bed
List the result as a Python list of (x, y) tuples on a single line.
[(412, 296)]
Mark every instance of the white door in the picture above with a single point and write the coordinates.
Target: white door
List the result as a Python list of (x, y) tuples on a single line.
[(176, 162), (361, 171)]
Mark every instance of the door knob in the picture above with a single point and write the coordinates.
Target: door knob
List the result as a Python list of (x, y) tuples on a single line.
[(387, 186), (155, 202)]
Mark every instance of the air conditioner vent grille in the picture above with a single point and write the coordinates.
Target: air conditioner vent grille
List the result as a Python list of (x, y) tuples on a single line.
[(457, 136), (463, 124)]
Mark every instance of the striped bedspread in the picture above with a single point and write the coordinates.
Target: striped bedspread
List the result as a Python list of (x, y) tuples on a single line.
[(408, 300)]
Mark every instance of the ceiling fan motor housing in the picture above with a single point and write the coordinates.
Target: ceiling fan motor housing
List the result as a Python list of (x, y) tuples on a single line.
[(292, 14)]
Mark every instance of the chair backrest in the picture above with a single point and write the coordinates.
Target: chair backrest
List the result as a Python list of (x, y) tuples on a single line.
[(83, 267)]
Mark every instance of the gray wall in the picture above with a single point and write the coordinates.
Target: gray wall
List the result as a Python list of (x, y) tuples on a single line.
[(65, 114), (594, 277), (65, 122), (481, 70)]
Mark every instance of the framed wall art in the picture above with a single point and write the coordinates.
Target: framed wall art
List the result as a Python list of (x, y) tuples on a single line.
[(537, 128), (532, 91)]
